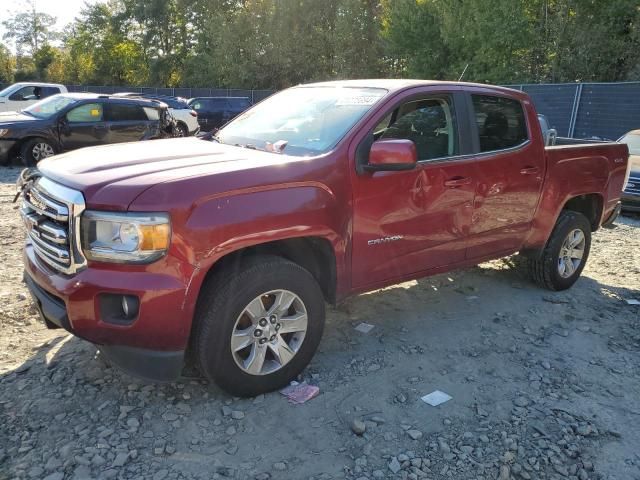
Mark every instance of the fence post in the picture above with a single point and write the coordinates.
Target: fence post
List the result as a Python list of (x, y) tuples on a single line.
[(574, 111)]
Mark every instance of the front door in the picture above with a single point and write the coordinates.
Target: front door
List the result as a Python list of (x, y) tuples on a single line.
[(407, 222), (84, 126), (509, 169)]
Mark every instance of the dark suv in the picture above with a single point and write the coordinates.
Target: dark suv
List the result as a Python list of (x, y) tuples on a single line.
[(75, 120), (214, 112)]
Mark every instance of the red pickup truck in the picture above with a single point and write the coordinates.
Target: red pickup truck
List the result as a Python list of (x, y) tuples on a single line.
[(225, 251)]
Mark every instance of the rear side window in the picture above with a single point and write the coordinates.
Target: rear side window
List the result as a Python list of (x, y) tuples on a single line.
[(89, 112), (48, 91), (239, 103), (122, 112), (501, 122), (152, 113)]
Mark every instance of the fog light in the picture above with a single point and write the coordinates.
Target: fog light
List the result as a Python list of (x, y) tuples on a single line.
[(118, 309)]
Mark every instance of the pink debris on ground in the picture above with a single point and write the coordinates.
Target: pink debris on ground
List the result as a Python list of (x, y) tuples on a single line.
[(300, 393)]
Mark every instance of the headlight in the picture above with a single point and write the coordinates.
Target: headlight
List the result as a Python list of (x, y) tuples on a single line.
[(4, 132), (125, 237)]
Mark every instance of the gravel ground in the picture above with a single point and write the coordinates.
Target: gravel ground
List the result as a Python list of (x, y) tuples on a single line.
[(544, 386)]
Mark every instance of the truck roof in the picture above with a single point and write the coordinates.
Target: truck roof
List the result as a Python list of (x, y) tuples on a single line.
[(40, 84), (392, 85)]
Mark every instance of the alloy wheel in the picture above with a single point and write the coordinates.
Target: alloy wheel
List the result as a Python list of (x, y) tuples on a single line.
[(41, 151), (269, 332), (571, 253)]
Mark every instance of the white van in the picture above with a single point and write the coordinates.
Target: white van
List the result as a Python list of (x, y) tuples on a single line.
[(20, 95)]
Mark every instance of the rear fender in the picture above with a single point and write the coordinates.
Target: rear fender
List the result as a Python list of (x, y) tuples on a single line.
[(567, 179)]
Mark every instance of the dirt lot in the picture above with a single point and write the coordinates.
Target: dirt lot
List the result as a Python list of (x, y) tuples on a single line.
[(544, 386)]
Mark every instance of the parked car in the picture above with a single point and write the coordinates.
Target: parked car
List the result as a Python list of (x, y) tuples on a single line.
[(186, 117), (548, 134), (631, 193), (214, 112), (75, 120), (19, 96), (229, 248)]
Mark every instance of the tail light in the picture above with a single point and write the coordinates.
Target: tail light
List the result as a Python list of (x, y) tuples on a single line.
[(193, 113)]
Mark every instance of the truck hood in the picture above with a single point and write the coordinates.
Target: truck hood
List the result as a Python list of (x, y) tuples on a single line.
[(112, 176)]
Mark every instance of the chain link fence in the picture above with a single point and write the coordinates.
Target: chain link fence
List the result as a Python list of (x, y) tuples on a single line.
[(586, 110)]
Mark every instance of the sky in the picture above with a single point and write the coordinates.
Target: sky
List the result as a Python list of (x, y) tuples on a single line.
[(64, 10)]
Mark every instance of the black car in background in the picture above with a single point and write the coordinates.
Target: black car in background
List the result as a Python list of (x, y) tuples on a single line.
[(74, 120), (214, 112), (186, 118)]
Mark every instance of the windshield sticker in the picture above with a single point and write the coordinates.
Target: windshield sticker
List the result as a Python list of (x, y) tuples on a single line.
[(357, 100)]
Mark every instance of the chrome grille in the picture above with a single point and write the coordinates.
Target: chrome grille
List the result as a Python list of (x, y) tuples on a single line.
[(51, 213), (633, 186)]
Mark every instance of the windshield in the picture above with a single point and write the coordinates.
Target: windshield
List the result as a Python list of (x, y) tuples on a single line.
[(633, 141), (5, 92), (301, 121), (49, 106)]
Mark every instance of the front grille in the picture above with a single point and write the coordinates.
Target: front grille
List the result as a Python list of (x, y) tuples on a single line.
[(51, 213), (633, 186)]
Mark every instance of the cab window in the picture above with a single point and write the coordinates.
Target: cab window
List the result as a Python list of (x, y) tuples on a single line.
[(501, 122), (429, 123), (89, 112)]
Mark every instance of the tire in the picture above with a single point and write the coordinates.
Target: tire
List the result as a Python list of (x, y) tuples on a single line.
[(181, 130), (547, 270), (222, 310), (29, 151)]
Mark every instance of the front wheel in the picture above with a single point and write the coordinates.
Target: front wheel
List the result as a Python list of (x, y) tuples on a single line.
[(565, 254), (257, 329), (34, 150)]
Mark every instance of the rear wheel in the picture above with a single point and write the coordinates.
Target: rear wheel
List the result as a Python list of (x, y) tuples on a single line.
[(181, 130), (565, 254), (258, 329), (36, 149)]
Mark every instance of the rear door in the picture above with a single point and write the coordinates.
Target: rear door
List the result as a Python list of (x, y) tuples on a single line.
[(127, 122), (84, 126), (509, 168), (415, 221)]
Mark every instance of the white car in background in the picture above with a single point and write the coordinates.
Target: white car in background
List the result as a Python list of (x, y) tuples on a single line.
[(20, 95), (186, 118)]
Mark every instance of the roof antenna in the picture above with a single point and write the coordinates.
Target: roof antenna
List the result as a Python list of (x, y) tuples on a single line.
[(463, 72)]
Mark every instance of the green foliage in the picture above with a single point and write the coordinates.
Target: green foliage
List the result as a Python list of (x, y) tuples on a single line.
[(7, 65), (277, 43)]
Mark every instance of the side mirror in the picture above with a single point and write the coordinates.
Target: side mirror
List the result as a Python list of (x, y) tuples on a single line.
[(63, 123), (392, 155), (16, 97)]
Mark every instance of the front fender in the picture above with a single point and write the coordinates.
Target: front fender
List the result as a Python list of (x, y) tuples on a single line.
[(216, 225), (222, 224)]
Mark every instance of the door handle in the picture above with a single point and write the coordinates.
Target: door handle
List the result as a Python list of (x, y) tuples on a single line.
[(457, 182), (530, 171)]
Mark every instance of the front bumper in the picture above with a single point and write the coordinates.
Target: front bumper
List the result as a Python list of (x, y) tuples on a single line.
[(151, 346)]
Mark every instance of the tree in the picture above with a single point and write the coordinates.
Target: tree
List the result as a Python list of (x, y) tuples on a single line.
[(7, 65), (30, 30)]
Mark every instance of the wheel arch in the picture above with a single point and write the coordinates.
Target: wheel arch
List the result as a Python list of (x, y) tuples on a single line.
[(590, 205), (314, 253)]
